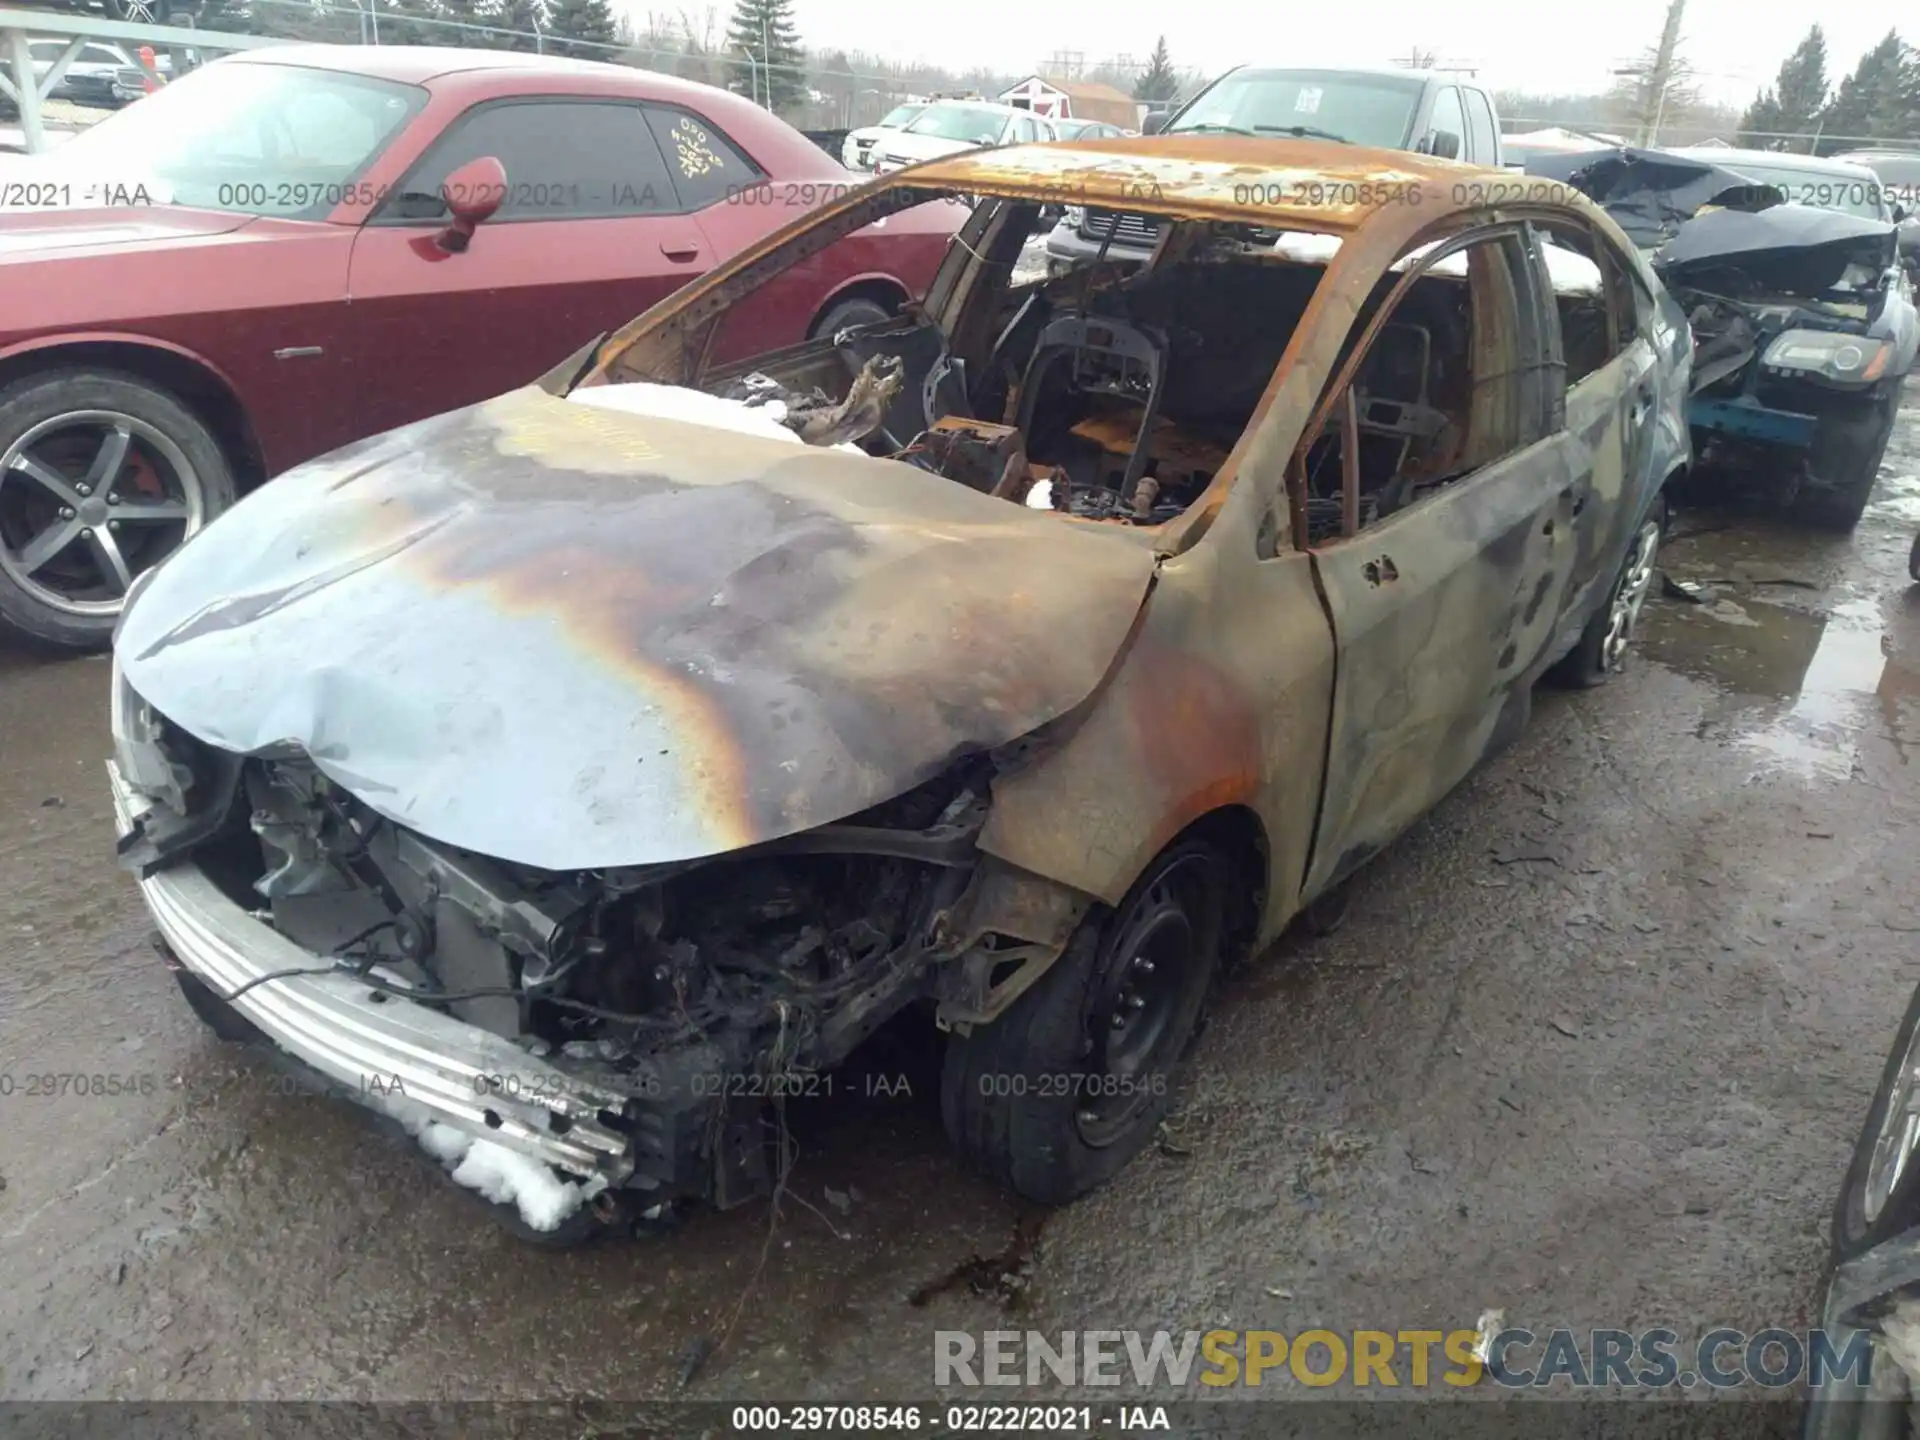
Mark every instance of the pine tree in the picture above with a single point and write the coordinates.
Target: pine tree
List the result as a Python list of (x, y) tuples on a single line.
[(409, 22), (1157, 82), (1802, 86), (1794, 103), (765, 47), (586, 29), (1872, 100), (1762, 123)]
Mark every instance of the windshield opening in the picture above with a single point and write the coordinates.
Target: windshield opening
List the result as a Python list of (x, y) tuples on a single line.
[(1362, 109), (249, 138), (899, 116), (958, 122)]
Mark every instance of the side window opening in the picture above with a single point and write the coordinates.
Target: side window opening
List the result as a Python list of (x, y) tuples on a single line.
[(1447, 385), (1625, 298), (1584, 296)]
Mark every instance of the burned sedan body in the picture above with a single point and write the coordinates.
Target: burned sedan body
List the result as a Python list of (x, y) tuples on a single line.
[(1802, 313), (569, 774)]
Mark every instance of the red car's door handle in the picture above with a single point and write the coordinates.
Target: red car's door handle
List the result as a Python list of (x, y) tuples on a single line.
[(680, 254)]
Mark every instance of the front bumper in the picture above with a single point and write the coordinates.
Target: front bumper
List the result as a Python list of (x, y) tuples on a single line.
[(1744, 418), (380, 1048)]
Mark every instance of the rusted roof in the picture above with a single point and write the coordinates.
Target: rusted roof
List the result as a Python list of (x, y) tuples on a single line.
[(1289, 184)]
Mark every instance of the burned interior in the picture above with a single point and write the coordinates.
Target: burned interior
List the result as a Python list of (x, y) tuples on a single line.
[(1114, 392), (1117, 391)]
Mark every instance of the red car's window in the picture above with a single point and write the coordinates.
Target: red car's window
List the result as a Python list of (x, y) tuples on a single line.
[(565, 160), (705, 165), (260, 139)]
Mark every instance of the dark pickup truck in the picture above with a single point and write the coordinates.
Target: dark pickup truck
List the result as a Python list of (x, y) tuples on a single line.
[(1427, 111)]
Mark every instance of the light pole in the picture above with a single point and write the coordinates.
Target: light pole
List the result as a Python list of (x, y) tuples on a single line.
[(753, 71), (1650, 133)]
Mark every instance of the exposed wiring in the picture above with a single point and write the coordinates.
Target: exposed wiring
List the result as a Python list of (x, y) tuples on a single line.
[(296, 970)]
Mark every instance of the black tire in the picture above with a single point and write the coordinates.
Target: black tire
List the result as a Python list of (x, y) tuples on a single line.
[(1593, 660), (1854, 1230), (1913, 560), (172, 461), (1845, 461), (857, 311), (1046, 1138), (222, 1019)]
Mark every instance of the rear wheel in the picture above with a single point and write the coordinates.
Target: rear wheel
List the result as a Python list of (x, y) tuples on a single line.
[(1913, 559), (1603, 646), (102, 476), (1845, 461), (1057, 1095)]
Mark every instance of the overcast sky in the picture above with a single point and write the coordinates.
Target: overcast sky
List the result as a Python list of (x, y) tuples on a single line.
[(1735, 46)]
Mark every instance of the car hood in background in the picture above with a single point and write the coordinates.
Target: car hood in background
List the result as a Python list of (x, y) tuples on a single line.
[(1784, 250), (910, 149), (1649, 193), (574, 638), (42, 212)]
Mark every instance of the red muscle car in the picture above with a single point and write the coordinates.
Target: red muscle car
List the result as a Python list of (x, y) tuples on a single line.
[(261, 263)]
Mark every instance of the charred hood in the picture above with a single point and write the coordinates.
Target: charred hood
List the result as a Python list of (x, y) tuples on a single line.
[(574, 639)]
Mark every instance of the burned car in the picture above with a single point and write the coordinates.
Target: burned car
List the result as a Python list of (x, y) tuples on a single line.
[(1789, 268), (572, 774)]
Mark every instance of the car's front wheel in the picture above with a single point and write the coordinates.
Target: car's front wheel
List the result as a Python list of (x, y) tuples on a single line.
[(1061, 1091), (102, 476), (1603, 646), (1845, 461)]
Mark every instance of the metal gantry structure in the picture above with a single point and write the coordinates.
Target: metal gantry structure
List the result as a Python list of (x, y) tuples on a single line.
[(28, 91)]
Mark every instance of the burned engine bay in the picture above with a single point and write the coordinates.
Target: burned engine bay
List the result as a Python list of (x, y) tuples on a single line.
[(1110, 393), (703, 989)]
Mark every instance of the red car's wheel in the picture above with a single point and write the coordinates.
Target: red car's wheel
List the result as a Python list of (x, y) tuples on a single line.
[(102, 476)]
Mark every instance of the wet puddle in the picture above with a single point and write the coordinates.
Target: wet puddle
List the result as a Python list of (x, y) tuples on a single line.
[(1897, 494), (1806, 689)]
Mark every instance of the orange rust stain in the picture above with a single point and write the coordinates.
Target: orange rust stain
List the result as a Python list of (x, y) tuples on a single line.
[(1195, 736)]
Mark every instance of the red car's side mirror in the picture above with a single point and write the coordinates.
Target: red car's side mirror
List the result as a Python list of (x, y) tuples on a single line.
[(473, 193)]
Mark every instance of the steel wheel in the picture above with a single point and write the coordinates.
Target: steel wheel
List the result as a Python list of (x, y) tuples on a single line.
[(88, 500), (1636, 582), (1138, 1013)]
